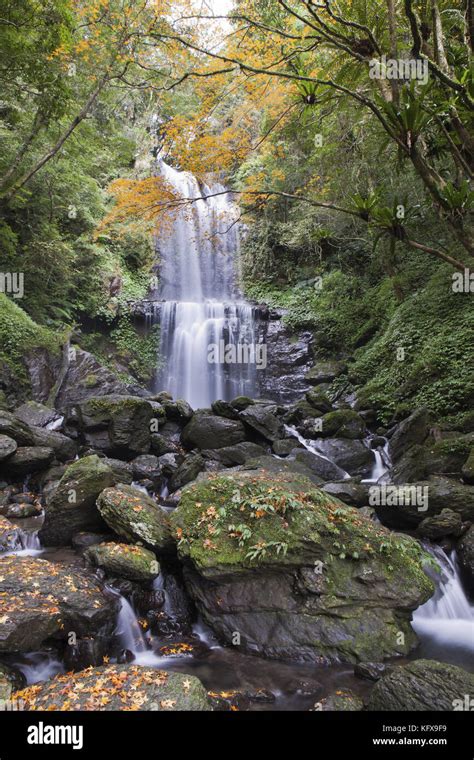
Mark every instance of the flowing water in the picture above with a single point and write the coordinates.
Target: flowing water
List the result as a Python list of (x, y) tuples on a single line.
[(445, 623), (207, 332)]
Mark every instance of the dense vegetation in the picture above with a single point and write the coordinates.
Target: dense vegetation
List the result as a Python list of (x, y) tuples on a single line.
[(355, 189)]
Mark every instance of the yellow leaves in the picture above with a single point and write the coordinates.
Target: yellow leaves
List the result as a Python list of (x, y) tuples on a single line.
[(4, 619), (151, 199), (167, 704)]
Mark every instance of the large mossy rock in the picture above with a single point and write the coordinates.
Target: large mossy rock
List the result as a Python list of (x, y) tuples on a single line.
[(343, 423), (135, 516), (422, 685), (208, 431), (40, 599), (413, 430), (118, 687), (117, 425), (124, 560), (71, 505), (325, 371), (295, 572)]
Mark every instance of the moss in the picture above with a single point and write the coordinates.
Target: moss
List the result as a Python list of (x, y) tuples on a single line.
[(19, 334), (247, 519)]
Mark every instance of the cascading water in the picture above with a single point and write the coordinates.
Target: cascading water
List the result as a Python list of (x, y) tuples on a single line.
[(446, 621), (206, 328)]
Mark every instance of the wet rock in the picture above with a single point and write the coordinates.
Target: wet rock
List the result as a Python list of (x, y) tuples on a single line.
[(318, 400), (225, 409), (118, 687), (306, 580), (413, 430), (161, 445), (117, 425), (325, 371), (124, 560), (135, 516), (320, 466), (423, 685), (289, 356), (16, 429), (40, 599), (85, 653), (187, 471), (427, 498), (207, 431), (446, 523), (178, 410), (70, 507), (371, 671), (285, 446), (83, 540), (350, 492), (64, 448), (465, 550), (13, 677), (146, 466), (352, 456), (86, 377), (241, 402), (7, 447), (343, 423), (21, 511), (342, 700), (34, 413), (8, 534), (28, 459), (468, 469), (123, 471), (229, 456), (264, 420)]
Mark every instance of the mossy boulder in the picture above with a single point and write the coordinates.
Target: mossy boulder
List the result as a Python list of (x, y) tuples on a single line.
[(446, 523), (8, 446), (124, 560), (325, 371), (40, 599), (263, 420), (468, 468), (135, 516), (295, 571), (118, 425), (413, 430), (424, 685), (427, 498), (343, 423), (118, 687), (318, 400), (70, 506), (28, 459), (208, 431)]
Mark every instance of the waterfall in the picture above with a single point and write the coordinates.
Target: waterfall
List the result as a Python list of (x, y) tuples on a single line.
[(381, 468), (447, 619), (207, 332)]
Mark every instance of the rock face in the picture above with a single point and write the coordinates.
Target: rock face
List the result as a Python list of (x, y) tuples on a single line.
[(297, 573), (440, 493), (413, 430), (135, 516), (422, 685), (124, 560), (325, 371), (207, 431), (70, 507), (28, 459), (352, 456), (117, 425), (118, 687), (447, 523), (7, 447), (465, 549), (264, 420), (86, 377), (289, 356), (40, 599)]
